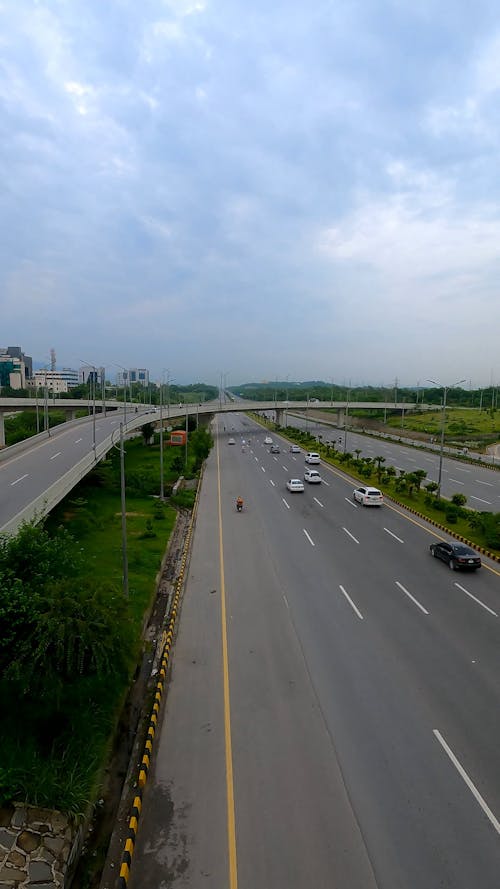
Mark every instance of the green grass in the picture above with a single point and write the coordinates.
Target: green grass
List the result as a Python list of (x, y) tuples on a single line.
[(54, 753), (460, 423)]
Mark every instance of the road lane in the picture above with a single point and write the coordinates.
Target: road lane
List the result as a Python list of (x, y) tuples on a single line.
[(340, 688), (410, 458)]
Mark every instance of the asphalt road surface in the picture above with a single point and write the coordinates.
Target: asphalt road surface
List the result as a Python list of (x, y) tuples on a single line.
[(480, 485), (25, 476), (332, 719)]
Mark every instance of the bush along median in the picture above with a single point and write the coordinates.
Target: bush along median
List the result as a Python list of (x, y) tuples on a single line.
[(408, 489)]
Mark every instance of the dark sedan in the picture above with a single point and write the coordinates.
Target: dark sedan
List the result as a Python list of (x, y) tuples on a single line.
[(456, 555)]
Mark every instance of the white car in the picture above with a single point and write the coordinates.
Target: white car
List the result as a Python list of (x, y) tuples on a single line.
[(268, 440), (294, 449), (311, 457), (368, 496), (231, 441), (312, 476), (295, 484)]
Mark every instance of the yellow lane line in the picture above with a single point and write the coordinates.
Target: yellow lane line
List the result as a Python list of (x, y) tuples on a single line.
[(231, 825)]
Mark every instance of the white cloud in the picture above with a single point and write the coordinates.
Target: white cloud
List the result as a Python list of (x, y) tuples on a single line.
[(470, 113), (184, 8)]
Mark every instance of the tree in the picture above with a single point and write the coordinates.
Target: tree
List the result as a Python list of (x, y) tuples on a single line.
[(79, 629), (459, 499), (148, 432), (419, 475), (33, 556), (379, 461)]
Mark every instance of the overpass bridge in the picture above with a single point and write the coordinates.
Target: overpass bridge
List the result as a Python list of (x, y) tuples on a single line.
[(70, 407), (38, 472)]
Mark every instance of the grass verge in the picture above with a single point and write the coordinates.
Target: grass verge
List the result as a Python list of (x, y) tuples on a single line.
[(54, 748)]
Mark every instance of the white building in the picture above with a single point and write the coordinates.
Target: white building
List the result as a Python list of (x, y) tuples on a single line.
[(133, 375), (89, 372), (57, 381)]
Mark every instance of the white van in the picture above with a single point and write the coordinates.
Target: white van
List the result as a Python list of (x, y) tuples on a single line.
[(311, 457)]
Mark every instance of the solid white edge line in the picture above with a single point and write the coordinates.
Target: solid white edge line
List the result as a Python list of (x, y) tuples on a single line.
[(318, 502), (394, 535), (286, 504), (351, 603), (350, 535), (402, 588), (482, 604), (308, 537), (463, 774)]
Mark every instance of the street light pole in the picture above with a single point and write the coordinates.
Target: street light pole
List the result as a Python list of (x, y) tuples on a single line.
[(443, 423), (162, 490), (124, 515), (94, 383), (346, 420), (46, 425)]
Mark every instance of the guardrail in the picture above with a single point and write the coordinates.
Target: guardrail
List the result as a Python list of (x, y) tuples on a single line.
[(20, 446), (41, 505)]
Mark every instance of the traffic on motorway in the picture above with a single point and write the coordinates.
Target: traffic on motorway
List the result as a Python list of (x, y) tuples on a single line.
[(335, 704), (480, 484)]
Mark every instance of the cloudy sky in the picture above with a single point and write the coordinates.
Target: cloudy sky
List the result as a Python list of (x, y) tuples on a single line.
[(262, 189)]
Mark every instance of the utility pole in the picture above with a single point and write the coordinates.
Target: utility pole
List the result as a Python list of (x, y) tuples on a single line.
[(162, 490), (124, 515), (443, 422)]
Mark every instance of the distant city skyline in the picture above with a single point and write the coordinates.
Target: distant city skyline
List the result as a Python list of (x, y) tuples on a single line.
[(263, 190)]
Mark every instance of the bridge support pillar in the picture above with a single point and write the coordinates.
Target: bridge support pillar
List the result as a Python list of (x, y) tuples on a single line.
[(279, 416), (340, 416), (2, 430), (71, 414)]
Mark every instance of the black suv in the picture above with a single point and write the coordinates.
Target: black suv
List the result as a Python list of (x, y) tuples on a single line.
[(456, 555)]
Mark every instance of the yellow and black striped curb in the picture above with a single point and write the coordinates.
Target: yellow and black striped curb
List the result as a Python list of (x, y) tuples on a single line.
[(166, 646), (485, 552)]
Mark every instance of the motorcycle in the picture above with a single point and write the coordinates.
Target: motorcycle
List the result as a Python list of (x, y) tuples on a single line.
[(239, 505)]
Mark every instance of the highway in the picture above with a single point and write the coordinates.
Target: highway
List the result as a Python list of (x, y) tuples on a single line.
[(480, 485), (26, 475), (332, 719)]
